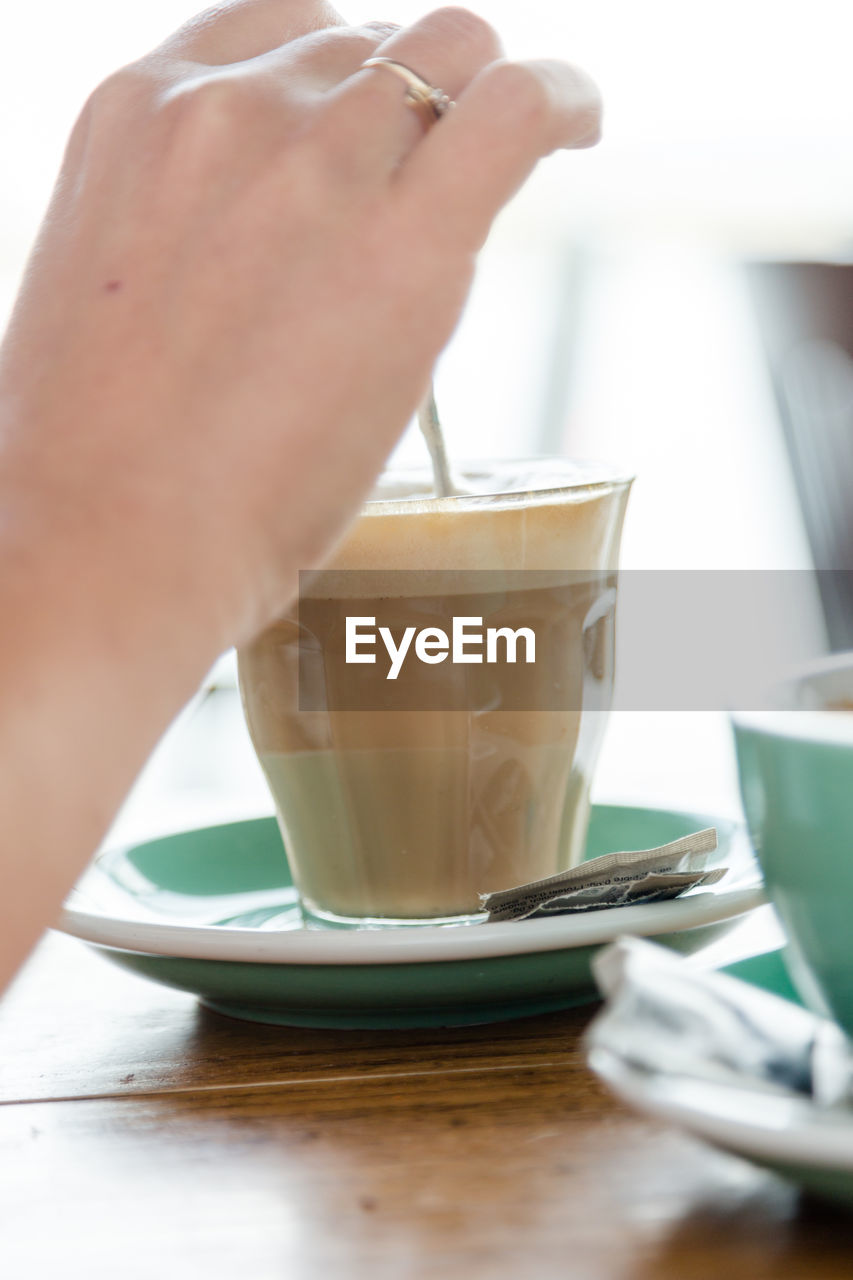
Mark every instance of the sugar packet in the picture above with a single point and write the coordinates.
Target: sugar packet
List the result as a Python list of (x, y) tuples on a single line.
[(664, 1017), (612, 880)]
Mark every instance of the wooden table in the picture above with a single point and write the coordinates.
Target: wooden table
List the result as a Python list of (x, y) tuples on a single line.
[(144, 1137)]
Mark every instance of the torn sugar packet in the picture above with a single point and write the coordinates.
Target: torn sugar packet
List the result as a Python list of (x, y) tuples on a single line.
[(613, 880), (666, 1019)]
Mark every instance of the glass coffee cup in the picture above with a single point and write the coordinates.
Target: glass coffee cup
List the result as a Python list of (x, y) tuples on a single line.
[(403, 796)]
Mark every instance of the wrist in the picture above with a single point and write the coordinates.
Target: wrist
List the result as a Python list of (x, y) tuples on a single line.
[(88, 600)]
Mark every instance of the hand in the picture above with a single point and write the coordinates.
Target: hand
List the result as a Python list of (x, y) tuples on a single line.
[(254, 255)]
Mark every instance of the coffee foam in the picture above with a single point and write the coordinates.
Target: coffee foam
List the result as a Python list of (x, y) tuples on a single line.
[(560, 517)]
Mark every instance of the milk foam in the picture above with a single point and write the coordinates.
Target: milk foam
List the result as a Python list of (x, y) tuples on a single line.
[(539, 515)]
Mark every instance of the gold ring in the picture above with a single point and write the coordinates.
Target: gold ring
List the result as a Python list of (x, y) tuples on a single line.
[(429, 102)]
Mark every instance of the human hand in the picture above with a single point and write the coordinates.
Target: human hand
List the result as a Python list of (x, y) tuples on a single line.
[(253, 257)]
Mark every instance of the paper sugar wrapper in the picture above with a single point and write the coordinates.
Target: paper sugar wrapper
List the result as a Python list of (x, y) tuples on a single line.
[(664, 1017), (613, 880)]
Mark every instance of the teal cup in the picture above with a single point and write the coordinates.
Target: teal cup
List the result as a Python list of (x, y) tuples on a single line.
[(796, 777)]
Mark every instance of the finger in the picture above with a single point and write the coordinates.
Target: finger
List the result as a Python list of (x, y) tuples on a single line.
[(241, 29), (479, 154), (368, 114)]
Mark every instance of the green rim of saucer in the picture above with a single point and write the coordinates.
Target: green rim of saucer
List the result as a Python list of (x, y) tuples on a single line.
[(249, 856)]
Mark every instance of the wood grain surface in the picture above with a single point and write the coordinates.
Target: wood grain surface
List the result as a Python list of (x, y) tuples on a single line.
[(228, 1149)]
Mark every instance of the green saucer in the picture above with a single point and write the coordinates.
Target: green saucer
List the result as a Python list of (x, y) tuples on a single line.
[(201, 878)]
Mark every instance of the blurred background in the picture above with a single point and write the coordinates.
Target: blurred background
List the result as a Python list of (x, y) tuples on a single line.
[(679, 300)]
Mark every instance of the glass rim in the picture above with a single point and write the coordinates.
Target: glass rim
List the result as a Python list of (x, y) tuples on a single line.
[(593, 477)]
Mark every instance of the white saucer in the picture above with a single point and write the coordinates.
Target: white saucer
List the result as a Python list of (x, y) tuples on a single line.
[(771, 1128), (781, 1130), (120, 904), (214, 912)]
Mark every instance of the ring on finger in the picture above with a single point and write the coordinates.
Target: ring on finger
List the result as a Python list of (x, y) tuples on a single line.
[(430, 102)]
